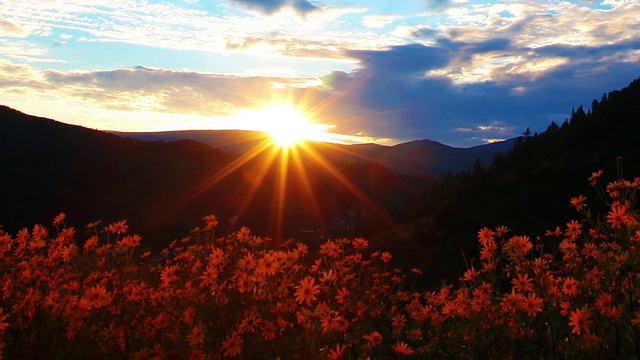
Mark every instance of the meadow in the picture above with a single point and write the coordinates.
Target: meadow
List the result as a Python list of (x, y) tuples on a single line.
[(570, 293)]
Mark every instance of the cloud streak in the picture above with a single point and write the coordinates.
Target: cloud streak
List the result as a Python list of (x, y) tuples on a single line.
[(271, 6)]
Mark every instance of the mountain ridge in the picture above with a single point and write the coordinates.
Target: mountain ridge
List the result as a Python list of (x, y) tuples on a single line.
[(413, 157)]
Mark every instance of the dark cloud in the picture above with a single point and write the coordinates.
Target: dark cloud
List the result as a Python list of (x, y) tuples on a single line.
[(395, 102), (439, 4), (582, 51), (271, 6), (410, 58)]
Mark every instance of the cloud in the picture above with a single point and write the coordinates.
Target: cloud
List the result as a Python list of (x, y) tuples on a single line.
[(396, 97), (412, 59), (165, 90), (272, 6), (9, 28)]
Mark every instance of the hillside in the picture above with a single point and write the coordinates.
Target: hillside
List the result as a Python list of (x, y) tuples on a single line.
[(522, 188)]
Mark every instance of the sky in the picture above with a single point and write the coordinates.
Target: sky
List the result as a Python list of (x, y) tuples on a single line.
[(459, 72)]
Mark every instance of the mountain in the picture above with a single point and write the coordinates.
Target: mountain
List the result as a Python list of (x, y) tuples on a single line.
[(431, 157), (415, 157)]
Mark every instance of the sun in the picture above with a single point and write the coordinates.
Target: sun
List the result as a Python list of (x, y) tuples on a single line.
[(289, 126)]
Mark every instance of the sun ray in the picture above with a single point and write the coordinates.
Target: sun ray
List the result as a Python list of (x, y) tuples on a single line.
[(306, 187), (257, 180), (294, 141), (281, 191), (340, 177)]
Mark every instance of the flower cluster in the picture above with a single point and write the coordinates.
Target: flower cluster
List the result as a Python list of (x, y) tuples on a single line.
[(202, 296), (573, 292)]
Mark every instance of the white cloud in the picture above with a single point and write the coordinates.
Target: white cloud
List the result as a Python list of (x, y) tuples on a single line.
[(172, 27), (8, 28)]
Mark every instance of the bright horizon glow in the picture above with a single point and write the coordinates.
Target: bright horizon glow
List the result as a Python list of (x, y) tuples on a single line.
[(288, 125)]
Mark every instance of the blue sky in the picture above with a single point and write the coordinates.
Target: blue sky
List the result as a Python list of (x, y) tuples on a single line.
[(459, 72)]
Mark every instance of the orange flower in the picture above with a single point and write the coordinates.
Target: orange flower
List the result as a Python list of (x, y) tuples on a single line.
[(339, 323), (128, 242), (337, 353), (501, 230), (580, 321), (119, 227), (573, 229), (360, 244), (342, 295), (386, 256), (250, 321), (578, 202), (522, 283), (168, 275), (399, 321), (604, 303), (189, 315), (216, 256), (557, 232), (330, 248), (565, 308), (95, 297), (617, 216), (401, 348), (307, 290), (232, 345), (374, 338), (532, 304), (196, 337), (518, 246), (470, 275), (268, 265), (58, 220), (248, 262), (594, 177), (485, 236), (91, 243), (211, 221), (570, 286)]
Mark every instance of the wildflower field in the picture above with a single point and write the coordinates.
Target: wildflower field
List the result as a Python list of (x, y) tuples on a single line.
[(570, 293)]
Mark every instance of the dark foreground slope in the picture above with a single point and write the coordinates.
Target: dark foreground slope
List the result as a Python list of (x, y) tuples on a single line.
[(49, 167)]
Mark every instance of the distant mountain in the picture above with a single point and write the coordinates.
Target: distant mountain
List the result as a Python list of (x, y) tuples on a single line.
[(234, 141), (415, 157), (430, 157)]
